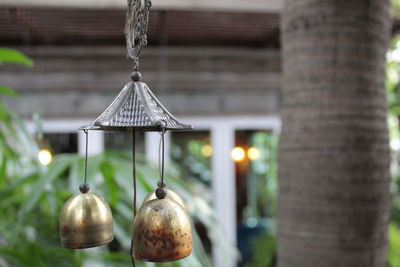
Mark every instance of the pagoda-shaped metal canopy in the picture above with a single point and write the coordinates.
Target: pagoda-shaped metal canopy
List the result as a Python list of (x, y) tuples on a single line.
[(136, 107)]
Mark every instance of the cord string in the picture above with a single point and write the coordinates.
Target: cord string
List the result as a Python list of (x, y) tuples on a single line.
[(86, 154), (161, 152)]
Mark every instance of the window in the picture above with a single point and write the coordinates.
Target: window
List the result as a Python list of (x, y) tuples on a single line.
[(59, 143), (191, 152), (256, 186)]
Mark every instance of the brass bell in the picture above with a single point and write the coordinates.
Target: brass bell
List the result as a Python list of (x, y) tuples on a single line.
[(171, 195), (86, 221), (161, 231)]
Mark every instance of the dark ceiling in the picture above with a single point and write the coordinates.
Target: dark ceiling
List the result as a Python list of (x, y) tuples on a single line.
[(49, 26), (68, 26)]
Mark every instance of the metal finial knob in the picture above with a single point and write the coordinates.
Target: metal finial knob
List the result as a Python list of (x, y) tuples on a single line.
[(84, 188), (161, 193), (136, 76)]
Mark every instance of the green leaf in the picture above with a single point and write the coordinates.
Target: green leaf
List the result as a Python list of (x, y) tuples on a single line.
[(25, 136), (4, 90), (55, 170), (13, 255), (7, 192), (112, 188), (14, 56)]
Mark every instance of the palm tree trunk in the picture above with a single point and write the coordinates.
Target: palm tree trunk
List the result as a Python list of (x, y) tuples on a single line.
[(334, 155)]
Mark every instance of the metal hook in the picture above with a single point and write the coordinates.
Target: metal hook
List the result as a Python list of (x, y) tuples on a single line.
[(136, 28)]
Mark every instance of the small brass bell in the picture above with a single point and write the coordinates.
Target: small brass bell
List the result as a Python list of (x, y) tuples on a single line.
[(86, 221), (171, 195), (161, 231)]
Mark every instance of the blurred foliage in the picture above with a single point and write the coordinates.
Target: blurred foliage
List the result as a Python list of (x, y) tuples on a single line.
[(395, 7), (31, 197), (393, 99), (192, 151), (31, 207), (264, 247), (191, 154), (8, 55), (265, 169), (393, 78), (394, 245)]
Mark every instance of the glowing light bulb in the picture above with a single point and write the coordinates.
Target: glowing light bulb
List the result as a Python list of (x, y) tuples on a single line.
[(253, 153), (207, 151), (45, 157), (238, 154)]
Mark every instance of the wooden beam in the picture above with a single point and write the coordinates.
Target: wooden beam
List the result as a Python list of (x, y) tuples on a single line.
[(210, 5), (105, 69), (82, 81)]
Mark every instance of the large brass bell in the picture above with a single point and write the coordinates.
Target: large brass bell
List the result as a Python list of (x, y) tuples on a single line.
[(86, 221), (162, 231)]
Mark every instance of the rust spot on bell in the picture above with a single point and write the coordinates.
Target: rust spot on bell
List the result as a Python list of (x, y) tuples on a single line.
[(162, 232)]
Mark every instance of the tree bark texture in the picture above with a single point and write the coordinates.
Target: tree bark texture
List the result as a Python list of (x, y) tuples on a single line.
[(334, 154)]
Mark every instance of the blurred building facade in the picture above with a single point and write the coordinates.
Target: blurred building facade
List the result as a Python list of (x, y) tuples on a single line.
[(198, 62), (213, 64)]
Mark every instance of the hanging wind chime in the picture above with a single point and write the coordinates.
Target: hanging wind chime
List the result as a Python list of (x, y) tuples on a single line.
[(161, 229)]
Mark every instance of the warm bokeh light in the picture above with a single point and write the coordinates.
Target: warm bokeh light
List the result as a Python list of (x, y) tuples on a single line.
[(207, 151), (45, 157), (238, 154), (253, 153)]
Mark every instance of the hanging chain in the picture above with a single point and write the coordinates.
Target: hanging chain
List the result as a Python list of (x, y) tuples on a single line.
[(137, 20)]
